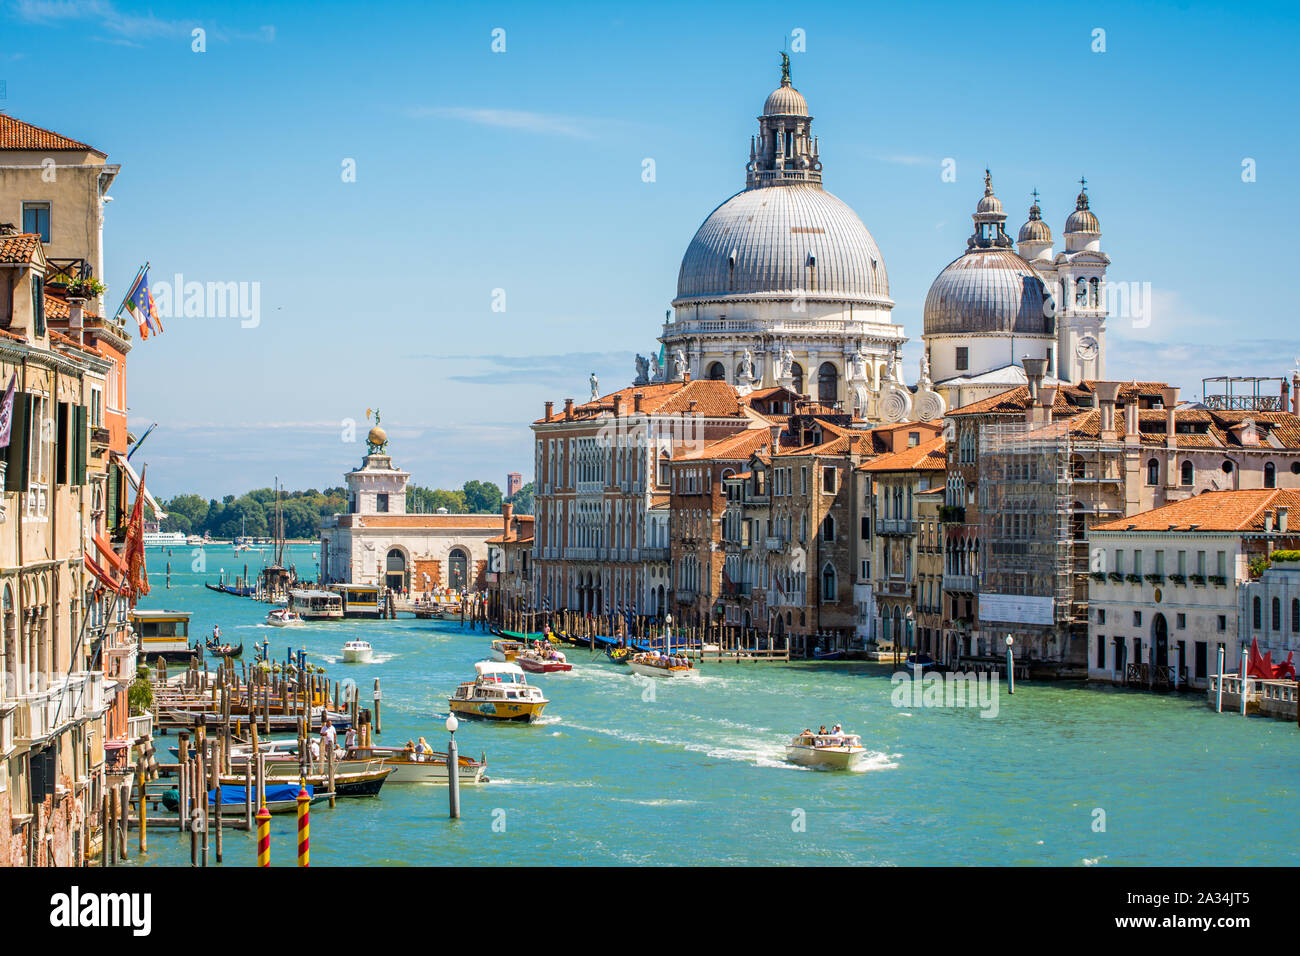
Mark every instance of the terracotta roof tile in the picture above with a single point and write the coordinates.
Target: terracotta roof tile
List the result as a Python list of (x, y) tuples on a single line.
[(713, 399), (15, 134), (1211, 511), (737, 447), (19, 248), (927, 456)]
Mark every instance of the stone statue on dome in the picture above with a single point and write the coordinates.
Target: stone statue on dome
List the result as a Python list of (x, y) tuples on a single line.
[(642, 370), (595, 387), (787, 366), (860, 366), (656, 373), (747, 368), (924, 381), (679, 364)]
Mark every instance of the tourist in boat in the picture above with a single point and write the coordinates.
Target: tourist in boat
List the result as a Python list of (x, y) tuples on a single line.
[(425, 750), (409, 750), (350, 741), (315, 750), (822, 732)]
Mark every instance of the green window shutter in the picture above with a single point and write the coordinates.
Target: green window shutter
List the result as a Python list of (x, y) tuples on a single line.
[(110, 510), (83, 444), (61, 444), (17, 464)]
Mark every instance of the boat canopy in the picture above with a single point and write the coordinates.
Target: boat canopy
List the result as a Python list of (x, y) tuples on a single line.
[(486, 668)]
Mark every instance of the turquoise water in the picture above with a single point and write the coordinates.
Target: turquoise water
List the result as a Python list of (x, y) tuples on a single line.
[(696, 775)]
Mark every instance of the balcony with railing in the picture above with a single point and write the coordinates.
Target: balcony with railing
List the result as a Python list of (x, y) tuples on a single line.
[(960, 582), (654, 554), (685, 595), (43, 714), (895, 526), (774, 542), (8, 727)]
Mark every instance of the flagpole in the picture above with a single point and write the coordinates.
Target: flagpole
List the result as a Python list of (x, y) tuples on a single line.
[(130, 291)]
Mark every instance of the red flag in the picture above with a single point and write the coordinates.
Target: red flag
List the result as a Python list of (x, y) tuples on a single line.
[(137, 578)]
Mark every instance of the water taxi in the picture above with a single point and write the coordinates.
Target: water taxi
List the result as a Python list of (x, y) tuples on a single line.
[(164, 634), (826, 751), (316, 605), (655, 664), (283, 617), (359, 600), (546, 660), (357, 652), (411, 767), (500, 691), (506, 650)]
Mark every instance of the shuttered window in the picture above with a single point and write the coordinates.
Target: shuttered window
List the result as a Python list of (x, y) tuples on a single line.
[(17, 476)]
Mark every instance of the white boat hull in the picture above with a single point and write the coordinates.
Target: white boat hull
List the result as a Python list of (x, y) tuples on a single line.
[(826, 758), (674, 673), (358, 657), (433, 771)]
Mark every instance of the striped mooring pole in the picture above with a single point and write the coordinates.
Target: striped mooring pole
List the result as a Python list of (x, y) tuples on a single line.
[(304, 826), (264, 837)]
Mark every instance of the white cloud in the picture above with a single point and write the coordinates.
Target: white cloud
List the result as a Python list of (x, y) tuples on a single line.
[(511, 119)]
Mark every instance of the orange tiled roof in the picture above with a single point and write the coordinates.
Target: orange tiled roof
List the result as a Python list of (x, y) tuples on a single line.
[(19, 248), (737, 447), (1210, 511), (926, 456), (58, 308), (714, 399), (15, 134)]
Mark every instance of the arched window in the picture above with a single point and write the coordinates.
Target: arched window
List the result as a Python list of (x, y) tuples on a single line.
[(828, 384), (1277, 614), (716, 372), (1081, 291), (1094, 292), (828, 528), (1187, 473), (457, 568), (1256, 614), (1270, 475), (829, 587), (1153, 472), (796, 374)]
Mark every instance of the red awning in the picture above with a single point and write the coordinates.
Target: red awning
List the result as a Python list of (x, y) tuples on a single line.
[(100, 574), (111, 556)]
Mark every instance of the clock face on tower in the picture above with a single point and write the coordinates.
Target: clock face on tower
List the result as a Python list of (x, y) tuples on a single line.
[(1087, 348)]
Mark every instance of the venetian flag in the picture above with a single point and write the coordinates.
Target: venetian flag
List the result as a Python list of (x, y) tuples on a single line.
[(139, 302), (137, 578), (7, 412)]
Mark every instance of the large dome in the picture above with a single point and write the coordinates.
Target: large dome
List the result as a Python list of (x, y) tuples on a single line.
[(987, 290), (780, 242)]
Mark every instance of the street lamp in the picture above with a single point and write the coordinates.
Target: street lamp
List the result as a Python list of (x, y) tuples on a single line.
[(1011, 666), (668, 630), (453, 768)]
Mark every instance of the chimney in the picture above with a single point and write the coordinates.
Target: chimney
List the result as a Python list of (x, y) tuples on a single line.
[(550, 409), (636, 400), (1295, 393), (618, 405), (1282, 512), (1169, 399), (507, 515), (686, 375), (1035, 369), (568, 409), (691, 406), (775, 431), (1131, 420), (1107, 392), (76, 311), (1286, 394), (1268, 522), (1048, 393)]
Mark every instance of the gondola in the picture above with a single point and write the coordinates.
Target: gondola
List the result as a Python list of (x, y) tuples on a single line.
[(618, 655), (231, 589), (225, 650)]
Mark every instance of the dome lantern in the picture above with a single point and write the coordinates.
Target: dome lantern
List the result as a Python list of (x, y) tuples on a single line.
[(785, 151), (990, 221)]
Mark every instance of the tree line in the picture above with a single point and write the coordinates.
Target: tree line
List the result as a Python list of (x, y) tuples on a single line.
[(253, 513)]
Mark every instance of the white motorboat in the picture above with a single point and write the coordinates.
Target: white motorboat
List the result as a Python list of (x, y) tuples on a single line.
[(655, 664), (411, 767), (283, 617), (826, 751), (357, 652)]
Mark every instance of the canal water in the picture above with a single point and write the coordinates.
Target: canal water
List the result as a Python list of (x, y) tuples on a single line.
[(693, 773)]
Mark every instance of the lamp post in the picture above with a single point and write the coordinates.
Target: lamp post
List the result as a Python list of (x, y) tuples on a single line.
[(668, 630), (453, 768), (1011, 666)]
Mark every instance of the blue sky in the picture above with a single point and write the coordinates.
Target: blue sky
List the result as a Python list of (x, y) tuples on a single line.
[(521, 171)]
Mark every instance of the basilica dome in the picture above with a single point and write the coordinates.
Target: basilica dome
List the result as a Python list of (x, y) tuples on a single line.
[(782, 241), (990, 288)]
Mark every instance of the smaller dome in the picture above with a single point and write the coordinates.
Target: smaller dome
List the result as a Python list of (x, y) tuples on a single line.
[(989, 203), (1035, 230), (785, 100), (1082, 220)]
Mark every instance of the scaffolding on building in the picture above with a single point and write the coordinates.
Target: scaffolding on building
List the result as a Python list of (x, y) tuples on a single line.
[(1025, 521)]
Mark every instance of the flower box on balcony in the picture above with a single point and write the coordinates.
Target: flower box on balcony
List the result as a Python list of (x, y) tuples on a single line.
[(1154, 578), (1179, 579), (1133, 578), (1116, 577), (1099, 576), (1218, 580), (1198, 580)]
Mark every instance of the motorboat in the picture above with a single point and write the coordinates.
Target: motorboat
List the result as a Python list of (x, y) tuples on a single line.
[(826, 751), (361, 779), (506, 650), (654, 664), (409, 767), (499, 691), (543, 660), (618, 655), (358, 652), (283, 617), (280, 798)]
